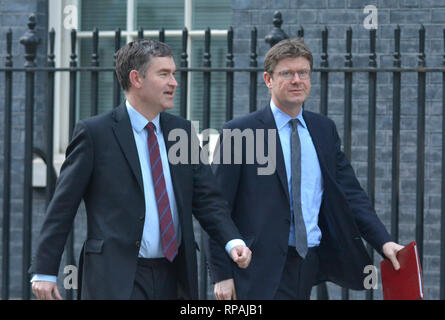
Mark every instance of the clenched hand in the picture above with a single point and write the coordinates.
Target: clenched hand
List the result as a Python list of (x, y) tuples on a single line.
[(241, 255), (46, 290)]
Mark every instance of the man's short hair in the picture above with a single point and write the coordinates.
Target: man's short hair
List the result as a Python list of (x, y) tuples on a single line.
[(288, 48), (137, 55)]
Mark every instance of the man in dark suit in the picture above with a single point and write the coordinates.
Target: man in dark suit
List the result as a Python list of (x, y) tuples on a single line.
[(304, 221), (140, 241)]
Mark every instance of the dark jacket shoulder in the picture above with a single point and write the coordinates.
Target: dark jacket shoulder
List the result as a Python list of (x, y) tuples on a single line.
[(317, 117), (176, 121), (101, 121), (247, 121)]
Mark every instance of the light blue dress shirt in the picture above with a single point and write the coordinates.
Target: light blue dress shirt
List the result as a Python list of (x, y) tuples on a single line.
[(311, 178), (151, 245)]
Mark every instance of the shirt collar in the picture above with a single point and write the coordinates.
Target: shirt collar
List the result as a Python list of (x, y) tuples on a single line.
[(282, 119), (138, 121)]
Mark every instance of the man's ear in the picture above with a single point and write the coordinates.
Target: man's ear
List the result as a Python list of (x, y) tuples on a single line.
[(267, 79), (135, 79)]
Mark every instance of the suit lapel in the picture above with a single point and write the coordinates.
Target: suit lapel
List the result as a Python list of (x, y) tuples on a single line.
[(316, 135), (266, 117), (124, 135), (166, 127)]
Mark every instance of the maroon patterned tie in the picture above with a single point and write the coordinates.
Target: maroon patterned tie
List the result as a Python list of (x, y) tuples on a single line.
[(167, 227)]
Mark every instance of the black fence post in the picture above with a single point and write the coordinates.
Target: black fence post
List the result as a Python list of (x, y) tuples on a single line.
[(324, 75), (7, 169), (420, 186), (95, 74), (442, 216), (116, 85), (69, 247), (348, 95), (30, 41), (371, 136), (50, 174), (206, 64), (348, 113), (277, 34), (253, 74), (184, 75), (162, 35), (300, 33), (322, 290), (229, 75), (73, 83), (395, 193)]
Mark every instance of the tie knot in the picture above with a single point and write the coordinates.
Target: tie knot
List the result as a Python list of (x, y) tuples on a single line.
[(294, 123), (150, 127)]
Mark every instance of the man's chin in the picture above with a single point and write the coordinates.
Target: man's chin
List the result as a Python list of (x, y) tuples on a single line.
[(167, 107), (297, 101)]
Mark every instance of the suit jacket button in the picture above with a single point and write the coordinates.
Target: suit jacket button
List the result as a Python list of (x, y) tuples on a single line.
[(138, 244), (141, 218)]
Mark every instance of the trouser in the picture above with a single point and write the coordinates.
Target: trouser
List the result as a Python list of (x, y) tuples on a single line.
[(299, 275), (156, 279)]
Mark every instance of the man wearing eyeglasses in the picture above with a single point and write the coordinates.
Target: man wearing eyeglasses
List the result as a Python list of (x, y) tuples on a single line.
[(304, 222)]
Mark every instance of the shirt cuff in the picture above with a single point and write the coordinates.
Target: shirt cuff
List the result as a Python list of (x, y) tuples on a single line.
[(43, 277), (233, 243)]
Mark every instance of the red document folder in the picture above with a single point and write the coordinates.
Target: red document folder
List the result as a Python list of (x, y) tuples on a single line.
[(407, 282)]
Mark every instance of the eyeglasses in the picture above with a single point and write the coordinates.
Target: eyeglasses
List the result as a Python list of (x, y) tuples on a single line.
[(289, 74)]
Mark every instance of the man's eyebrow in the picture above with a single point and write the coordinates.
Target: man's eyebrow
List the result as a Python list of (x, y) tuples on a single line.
[(167, 70), (290, 70)]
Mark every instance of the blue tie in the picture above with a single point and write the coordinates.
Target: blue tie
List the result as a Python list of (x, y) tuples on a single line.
[(300, 228)]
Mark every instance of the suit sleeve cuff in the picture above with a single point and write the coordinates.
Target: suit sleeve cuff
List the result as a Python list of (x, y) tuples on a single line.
[(233, 243), (43, 277)]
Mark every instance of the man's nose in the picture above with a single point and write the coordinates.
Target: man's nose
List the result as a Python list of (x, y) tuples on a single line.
[(296, 78), (172, 82)]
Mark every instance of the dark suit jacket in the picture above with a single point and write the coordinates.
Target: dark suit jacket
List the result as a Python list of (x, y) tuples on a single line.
[(260, 208), (102, 167)]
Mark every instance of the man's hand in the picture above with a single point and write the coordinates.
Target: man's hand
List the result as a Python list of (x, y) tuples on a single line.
[(44, 290), (241, 255), (390, 250), (225, 290)]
